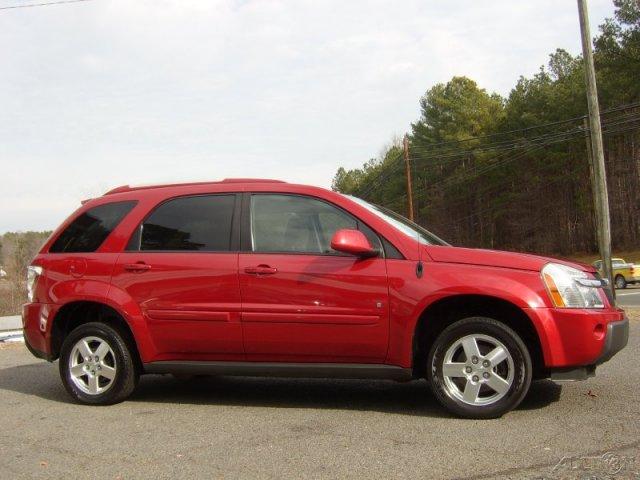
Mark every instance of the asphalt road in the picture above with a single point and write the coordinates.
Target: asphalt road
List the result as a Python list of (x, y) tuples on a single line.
[(628, 297), (279, 428)]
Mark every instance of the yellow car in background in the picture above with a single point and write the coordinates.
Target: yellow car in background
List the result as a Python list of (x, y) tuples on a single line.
[(623, 273)]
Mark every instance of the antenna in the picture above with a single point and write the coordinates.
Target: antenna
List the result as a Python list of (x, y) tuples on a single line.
[(419, 266)]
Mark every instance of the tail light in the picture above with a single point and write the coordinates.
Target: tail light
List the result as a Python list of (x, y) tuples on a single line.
[(33, 272)]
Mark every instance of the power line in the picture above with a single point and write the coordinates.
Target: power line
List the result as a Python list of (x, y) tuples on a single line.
[(478, 172), (518, 143), (44, 4), (375, 181), (533, 127), (619, 124), (511, 145)]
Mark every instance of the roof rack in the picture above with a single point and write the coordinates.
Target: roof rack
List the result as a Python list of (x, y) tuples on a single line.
[(128, 188)]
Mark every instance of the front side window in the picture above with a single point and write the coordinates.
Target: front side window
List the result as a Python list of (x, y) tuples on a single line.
[(87, 232), (200, 223), (290, 223)]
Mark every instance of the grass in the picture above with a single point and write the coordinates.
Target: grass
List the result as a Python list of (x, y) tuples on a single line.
[(631, 256), (9, 302)]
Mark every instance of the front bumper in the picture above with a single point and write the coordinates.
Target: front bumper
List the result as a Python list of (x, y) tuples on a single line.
[(616, 339), (574, 337)]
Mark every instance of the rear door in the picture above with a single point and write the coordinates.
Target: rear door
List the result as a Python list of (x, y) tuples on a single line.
[(303, 301), (181, 268)]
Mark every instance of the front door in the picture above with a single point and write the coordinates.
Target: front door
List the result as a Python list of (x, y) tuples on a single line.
[(303, 301), (181, 268)]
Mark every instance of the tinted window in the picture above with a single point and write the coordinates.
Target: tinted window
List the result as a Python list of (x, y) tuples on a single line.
[(87, 232), (287, 223), (190, 223)]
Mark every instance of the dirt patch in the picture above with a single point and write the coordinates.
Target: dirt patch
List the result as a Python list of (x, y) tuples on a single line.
[(633, 313)]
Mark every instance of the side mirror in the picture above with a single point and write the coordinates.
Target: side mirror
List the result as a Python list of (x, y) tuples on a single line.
[(352, 242)]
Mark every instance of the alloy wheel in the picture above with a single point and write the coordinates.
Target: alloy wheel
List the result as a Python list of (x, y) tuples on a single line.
[(478, 370), (92, 365)]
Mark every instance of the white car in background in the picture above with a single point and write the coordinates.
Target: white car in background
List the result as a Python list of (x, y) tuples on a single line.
[(3, 274)]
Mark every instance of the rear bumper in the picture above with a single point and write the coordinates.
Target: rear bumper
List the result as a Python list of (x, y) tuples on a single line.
[(36, 322)]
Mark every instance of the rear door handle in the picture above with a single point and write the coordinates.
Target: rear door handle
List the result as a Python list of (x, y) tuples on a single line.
[(261, 270), (137, 267)]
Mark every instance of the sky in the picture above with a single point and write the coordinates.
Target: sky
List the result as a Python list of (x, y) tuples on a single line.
[(103, 93)]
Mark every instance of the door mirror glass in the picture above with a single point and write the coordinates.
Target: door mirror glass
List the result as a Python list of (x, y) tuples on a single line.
[(352, 242)]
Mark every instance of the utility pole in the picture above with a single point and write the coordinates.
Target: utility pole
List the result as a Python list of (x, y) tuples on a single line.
[(592, 176), (600, 191), (407, 164)]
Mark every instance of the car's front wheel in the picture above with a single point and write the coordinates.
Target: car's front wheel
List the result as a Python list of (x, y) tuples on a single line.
[(479, 368), (96, 365)]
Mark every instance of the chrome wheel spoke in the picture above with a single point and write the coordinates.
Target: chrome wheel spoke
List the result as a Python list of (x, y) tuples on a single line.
[(108, 372), (93, 384), (471, 391), (453, 370), (102, 350), (498, 384), (497, 355), (470, 347), (84, 349), (77, 370)]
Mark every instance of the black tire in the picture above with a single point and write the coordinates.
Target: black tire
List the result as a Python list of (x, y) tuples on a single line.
[(620, 282), (126, 373), (522, 367)]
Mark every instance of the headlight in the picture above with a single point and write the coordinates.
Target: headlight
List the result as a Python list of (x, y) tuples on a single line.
[(571, 288), (33, 272)]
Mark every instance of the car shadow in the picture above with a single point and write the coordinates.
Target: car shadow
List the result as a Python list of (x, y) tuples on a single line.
[(410, 398)]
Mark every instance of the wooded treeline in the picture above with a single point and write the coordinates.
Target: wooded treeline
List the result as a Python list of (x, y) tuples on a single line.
[(513, 173), (17, 249)]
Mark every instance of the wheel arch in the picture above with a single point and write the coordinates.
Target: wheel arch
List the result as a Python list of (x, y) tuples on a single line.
[(445, 311), (78, 312)]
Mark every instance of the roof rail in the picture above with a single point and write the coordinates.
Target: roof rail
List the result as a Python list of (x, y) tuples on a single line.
[(128, 188), (250, 180)]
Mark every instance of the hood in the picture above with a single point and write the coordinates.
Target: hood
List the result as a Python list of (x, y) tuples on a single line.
[(497, 258)]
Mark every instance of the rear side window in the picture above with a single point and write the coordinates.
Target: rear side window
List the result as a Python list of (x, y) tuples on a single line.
[(201, 223), (87, 232)]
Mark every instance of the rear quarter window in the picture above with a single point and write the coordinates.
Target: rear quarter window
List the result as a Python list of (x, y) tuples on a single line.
[(87, 232)]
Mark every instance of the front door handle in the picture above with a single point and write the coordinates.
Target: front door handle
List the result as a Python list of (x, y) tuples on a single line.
[(261, 270), (137, 267)]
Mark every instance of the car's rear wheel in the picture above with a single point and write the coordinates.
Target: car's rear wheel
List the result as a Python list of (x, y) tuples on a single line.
[(479, 368), (620, 282), (97, 366)]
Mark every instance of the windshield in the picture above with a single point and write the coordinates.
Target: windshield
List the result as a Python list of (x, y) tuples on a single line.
[(405, 225)]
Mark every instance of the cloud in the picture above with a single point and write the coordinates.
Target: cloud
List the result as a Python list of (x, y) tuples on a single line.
[(111, 92)]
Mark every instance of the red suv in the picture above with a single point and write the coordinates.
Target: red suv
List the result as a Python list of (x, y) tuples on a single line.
[(260, 277)]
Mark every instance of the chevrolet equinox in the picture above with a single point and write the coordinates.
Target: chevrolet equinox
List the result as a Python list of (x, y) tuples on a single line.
[(261, 277)]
